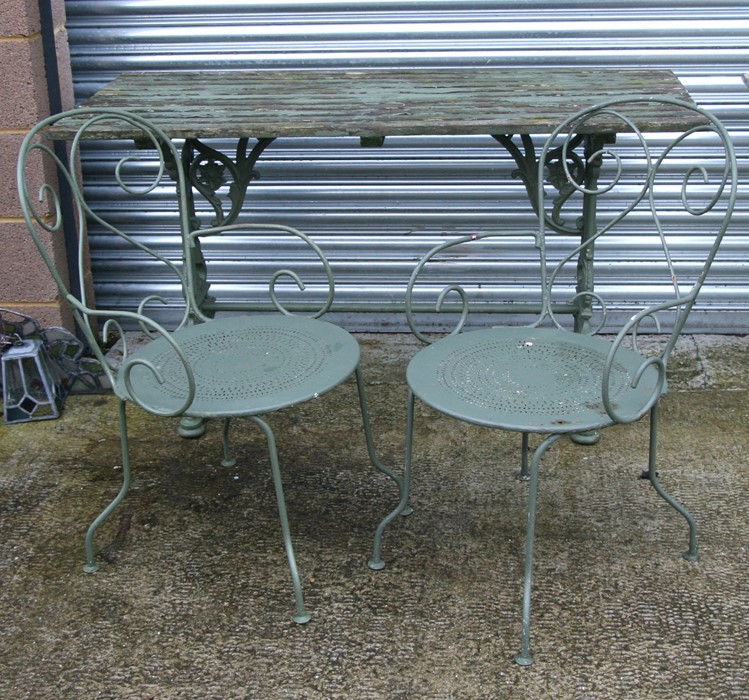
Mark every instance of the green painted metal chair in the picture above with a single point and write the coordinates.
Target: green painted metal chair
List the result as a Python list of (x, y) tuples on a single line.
[(541, 378), (242, 365)]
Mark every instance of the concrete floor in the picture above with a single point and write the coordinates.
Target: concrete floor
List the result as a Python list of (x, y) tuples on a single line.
[(193, 600)]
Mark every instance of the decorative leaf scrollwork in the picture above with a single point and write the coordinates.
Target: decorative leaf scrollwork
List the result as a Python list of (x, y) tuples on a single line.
[(461, 292), (210, 170), (525, 159), (449, 289), (635, 332), (658, 362), (209, 174), (584, 301), (272, 288), (565, 172), (129, 362)]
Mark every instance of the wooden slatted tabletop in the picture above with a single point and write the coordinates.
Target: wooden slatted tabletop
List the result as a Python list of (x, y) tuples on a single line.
[(377, 103)]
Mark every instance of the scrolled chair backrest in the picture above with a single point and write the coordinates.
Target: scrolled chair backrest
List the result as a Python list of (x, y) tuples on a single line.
[(152, 172), (597, 236), (651, 189), (652, 193), (43, 171), (474, 278), (272, 283)]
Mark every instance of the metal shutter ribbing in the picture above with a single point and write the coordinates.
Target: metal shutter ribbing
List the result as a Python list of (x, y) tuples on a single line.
[(376, 210)]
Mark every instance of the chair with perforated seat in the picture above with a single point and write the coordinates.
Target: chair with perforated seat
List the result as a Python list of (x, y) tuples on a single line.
[(556, 376), (236, 366)]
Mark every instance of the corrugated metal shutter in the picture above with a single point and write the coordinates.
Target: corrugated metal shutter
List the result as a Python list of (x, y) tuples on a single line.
[(375, 211)]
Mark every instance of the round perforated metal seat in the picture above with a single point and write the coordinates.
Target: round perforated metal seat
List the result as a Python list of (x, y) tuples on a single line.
[(479, 377), (246, 365)]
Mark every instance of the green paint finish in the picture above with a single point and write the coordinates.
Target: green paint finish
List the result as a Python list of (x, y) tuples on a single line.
[(542, 379), (233, 367)]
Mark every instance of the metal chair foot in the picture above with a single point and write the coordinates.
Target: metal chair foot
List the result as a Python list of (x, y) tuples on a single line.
[(91, 564), (376, 562), (691, 553), (301, 615), (524, 658)]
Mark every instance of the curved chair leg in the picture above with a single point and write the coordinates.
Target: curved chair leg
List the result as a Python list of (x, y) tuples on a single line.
[(376, 562), (525, 657), (302, 616), (371, 445), (691, 553), (228, 460), (91, 565)]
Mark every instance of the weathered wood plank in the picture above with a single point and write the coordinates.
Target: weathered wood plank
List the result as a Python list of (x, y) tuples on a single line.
[(375, 103)]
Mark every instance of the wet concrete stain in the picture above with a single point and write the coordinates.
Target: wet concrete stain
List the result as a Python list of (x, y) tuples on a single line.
[(193, 599)]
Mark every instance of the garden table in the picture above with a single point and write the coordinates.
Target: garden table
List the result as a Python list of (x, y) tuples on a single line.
[(254, 107)]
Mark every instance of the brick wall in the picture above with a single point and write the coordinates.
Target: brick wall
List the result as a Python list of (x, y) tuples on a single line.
[(25, 284)]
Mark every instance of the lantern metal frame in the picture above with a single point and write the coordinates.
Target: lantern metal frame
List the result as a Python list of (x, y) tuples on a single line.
[(33, 387)]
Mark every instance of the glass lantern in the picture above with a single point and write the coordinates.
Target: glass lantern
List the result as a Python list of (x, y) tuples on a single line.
[(33, 388)]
